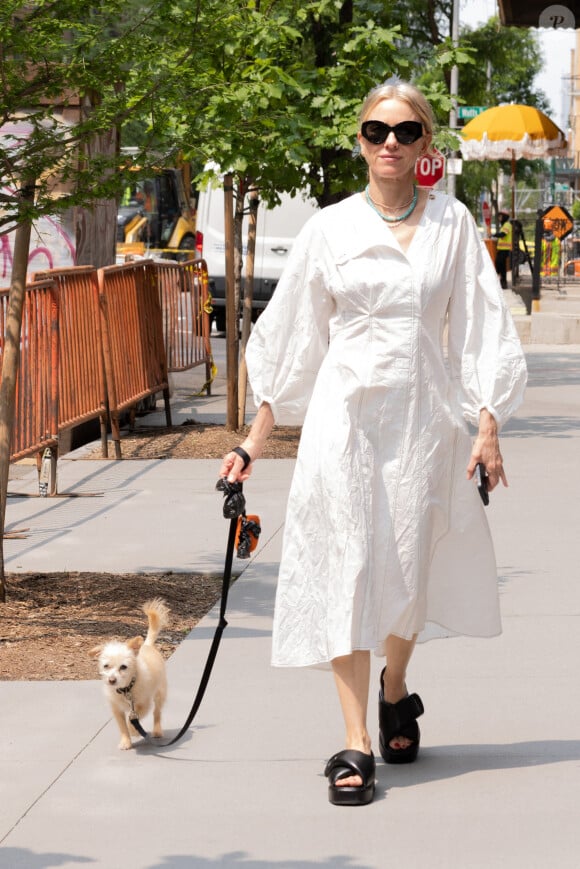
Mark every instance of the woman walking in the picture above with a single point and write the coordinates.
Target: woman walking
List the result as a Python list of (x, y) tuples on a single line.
[(386, 335)]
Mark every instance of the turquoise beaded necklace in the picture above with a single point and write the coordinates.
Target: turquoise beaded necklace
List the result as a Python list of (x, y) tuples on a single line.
[(401, 217)]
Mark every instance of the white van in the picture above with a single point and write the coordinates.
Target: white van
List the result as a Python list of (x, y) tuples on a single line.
[(275, 233)]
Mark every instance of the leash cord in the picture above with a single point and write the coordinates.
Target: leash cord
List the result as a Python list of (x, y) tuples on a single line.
[(222, 624)]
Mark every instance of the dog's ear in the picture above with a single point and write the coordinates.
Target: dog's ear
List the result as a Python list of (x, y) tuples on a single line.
[(135, 643), (95, 652)]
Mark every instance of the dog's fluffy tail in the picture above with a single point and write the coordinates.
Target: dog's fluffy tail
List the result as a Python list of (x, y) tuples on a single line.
[(157, 613)]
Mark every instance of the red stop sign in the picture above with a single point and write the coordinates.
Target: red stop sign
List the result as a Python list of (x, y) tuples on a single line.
[(430, 168)]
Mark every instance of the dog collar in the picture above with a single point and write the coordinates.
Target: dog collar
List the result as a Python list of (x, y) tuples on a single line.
[(128, 688)]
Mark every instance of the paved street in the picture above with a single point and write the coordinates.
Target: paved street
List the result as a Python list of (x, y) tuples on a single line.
[(497, 782)]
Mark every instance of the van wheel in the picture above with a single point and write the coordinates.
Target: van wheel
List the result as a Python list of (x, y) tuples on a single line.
[(220, 319)]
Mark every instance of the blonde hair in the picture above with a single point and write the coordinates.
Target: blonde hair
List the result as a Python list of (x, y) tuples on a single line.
[(395, 89)]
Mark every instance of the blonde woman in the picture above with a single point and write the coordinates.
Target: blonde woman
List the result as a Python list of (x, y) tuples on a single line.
[(383, 514)]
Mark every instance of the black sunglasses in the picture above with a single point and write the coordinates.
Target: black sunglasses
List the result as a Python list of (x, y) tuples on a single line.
[(407, 132)]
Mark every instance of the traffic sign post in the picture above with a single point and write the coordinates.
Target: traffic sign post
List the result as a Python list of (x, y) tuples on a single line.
[(486, 213), (430, 168), (557, 220)]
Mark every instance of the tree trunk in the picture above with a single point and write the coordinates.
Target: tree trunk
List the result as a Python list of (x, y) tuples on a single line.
[(231, 311), (96, 227), (95, 238), (10, 360), (248, 301), (239, 241)]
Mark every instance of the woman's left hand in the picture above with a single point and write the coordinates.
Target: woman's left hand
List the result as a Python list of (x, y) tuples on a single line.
[(486, 450)]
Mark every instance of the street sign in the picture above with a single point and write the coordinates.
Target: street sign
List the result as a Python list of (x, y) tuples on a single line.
[(468, 112), (557, 220), (430, 168), (454, 166)]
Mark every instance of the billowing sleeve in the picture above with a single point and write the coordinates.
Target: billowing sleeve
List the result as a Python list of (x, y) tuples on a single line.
[(290, 339), (486, 360)]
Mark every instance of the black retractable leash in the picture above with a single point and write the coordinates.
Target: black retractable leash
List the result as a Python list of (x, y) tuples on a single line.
[(245, 531)]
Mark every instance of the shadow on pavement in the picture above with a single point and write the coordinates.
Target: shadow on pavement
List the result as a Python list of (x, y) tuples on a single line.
[(438, 763)]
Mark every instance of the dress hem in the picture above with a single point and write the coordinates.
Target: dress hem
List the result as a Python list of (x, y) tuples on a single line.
[(432, 631)]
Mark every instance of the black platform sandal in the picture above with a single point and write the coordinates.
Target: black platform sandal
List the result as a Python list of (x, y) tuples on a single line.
[(345, 764), (399, 719)]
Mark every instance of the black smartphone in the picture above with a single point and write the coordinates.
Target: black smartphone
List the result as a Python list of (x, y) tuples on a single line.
[(481, 481)]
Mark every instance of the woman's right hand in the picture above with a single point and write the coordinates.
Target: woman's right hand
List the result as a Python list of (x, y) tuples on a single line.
[(233, 468), (233, 465)]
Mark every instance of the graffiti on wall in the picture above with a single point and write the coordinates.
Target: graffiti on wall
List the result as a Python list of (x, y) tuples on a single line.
[(51, 246)]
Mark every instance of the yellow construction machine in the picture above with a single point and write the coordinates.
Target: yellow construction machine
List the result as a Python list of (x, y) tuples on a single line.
[(155, 217)]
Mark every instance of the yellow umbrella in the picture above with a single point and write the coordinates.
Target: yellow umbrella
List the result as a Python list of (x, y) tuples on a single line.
[(510, 132)]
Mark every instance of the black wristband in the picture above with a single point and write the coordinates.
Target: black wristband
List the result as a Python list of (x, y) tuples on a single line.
[(247, 459)]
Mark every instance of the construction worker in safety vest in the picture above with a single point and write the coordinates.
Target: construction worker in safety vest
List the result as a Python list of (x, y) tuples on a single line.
[(550, 262), (504, 247)]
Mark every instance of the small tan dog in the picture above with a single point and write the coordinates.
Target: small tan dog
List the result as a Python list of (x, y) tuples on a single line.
[(133, 674)]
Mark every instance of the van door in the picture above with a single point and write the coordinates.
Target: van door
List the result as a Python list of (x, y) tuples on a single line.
[(275, 234), (276, 230)]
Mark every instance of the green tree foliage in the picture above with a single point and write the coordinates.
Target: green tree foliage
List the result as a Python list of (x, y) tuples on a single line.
[(115, 60), (270, 88), (286, 112), (507, 61), (280, 95)]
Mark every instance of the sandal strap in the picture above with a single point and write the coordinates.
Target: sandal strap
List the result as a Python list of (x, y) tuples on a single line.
[(349, 762), (395, 717)]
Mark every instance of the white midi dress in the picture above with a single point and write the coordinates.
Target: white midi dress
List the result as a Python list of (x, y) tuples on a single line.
[(385, 357)]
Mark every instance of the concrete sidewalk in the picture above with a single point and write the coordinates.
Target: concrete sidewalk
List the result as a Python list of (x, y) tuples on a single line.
[(557, 318), (497, 779)]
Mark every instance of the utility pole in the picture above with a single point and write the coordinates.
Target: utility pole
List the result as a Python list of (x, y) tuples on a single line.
[(454, 88)]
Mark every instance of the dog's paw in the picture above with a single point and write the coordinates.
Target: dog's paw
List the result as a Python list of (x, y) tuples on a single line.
[(125, 743), (157, 733)]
